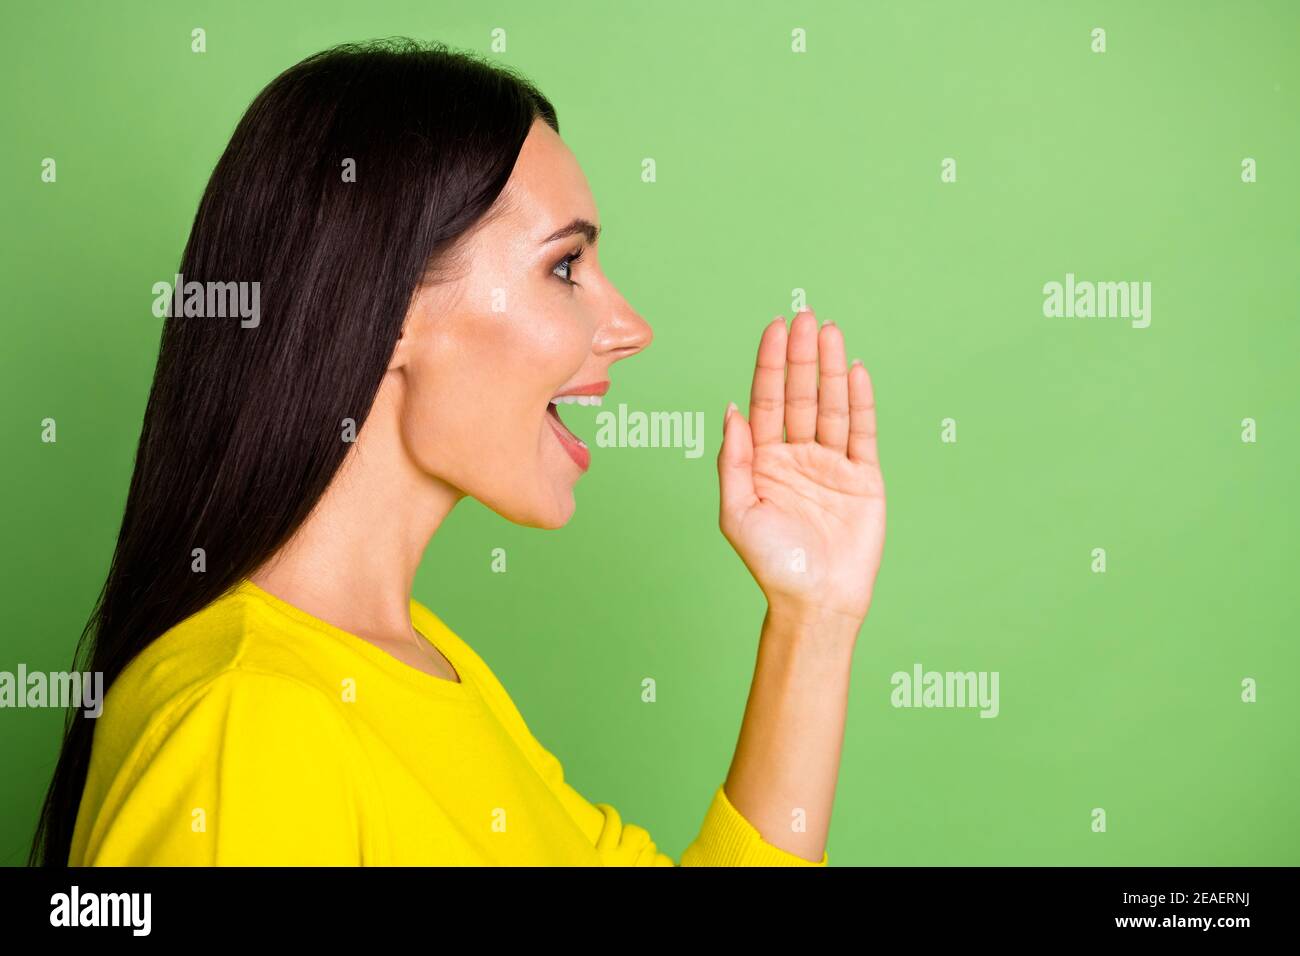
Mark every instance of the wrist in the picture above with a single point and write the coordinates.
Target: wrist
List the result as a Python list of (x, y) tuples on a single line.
[(827, 627)]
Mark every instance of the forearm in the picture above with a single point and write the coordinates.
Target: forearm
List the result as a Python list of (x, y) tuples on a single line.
[(788, 754)]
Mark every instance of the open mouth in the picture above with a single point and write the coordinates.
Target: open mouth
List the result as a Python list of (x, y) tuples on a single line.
[(575, 447)]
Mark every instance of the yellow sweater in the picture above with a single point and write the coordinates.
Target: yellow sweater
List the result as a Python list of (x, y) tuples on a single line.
[(256, 734)]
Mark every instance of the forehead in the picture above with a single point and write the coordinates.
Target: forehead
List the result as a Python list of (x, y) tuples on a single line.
[(547, 187)]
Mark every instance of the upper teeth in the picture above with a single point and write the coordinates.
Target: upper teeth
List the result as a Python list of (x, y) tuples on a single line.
[(576, 400)]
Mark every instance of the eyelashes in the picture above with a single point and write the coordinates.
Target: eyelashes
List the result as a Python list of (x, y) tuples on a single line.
[(567, 265)]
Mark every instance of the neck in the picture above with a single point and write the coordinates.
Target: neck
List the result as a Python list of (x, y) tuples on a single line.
[(352, 563)]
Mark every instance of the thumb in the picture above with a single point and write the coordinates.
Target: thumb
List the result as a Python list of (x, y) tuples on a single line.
[(736, 465)]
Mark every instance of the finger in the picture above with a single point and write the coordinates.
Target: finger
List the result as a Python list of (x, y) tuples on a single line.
[(801, 379), (832, 390), (736, 467), (767, 394), (862, 415)]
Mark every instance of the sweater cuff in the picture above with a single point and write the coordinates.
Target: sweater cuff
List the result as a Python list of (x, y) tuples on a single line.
[(728, 839)]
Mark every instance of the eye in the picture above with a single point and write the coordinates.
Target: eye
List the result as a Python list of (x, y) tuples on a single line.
[(567, 265)]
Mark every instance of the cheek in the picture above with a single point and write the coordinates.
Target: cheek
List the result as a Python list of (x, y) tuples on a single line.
[(477, 395)]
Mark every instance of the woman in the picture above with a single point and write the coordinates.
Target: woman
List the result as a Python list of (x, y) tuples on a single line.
[(424, 246)]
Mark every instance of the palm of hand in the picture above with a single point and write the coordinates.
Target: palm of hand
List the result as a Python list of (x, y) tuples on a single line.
[(802, 497)]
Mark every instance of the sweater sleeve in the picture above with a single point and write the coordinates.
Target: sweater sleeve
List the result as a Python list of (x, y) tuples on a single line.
[(248, 769), (726, 837)]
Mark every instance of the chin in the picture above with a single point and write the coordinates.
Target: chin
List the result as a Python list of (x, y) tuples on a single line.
[(565, 505), (548, 511)]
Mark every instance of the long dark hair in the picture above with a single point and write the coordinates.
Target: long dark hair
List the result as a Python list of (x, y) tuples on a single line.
[(345, 185)]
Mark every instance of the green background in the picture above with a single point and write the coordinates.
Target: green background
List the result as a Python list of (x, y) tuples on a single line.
[(780, 171)]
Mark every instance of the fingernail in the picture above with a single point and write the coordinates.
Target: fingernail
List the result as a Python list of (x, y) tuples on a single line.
[(731, 407), (857, 361), (829, 322)]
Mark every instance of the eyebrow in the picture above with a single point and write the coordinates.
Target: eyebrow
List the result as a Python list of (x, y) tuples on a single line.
[(577, 227)]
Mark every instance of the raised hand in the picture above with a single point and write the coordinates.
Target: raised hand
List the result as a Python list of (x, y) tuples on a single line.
[(802, 498)]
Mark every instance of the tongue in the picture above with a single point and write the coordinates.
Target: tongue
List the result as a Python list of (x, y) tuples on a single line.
[(555, 413)]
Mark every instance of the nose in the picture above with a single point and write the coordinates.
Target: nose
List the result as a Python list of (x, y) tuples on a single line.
[(623, 333)]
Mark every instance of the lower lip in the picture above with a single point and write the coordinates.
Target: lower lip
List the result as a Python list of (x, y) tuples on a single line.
[(579, 452)]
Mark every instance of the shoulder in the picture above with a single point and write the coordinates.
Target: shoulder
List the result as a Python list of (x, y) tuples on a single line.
[(229, 658), (212, 717)]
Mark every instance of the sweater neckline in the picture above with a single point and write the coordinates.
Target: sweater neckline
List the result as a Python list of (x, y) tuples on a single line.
[(423, 621)]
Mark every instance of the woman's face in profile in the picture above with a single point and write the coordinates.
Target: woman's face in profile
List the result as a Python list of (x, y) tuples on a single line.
[(526, 316)]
